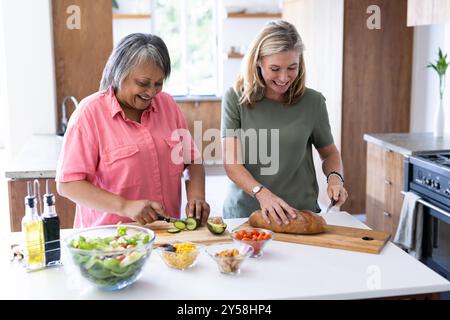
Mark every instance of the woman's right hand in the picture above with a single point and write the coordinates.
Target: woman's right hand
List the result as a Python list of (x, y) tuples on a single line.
[(143, 211), (274, 206)]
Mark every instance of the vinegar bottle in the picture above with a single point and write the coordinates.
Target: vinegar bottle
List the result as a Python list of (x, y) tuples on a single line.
[(51, 230), (32, 234)]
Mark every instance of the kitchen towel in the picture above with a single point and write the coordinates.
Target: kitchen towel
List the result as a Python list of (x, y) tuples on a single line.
[(410, 227)]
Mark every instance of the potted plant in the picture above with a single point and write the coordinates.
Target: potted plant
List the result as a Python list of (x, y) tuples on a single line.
[(440, 67)]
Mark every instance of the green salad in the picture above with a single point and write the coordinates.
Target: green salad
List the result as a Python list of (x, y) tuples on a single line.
[(113, 259)]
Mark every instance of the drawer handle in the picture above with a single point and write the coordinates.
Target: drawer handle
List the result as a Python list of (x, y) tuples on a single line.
[(387, 182), (387, 214)]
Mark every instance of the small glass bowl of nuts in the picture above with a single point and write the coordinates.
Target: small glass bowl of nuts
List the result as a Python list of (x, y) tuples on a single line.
[(229, 257), (179, 254)]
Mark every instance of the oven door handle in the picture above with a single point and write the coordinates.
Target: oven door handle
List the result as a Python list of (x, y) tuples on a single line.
[(435, 233), (431, 206)]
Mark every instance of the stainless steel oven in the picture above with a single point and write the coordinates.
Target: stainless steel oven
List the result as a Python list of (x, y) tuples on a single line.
[(428, 175)]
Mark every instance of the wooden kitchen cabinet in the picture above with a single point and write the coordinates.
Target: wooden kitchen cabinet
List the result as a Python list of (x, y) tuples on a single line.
[(80, 54), (376, 93), (384, 183), (428, 12), (17, 190), (208, 112)]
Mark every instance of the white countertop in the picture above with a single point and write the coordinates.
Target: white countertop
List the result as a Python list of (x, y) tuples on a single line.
[(286, 271), (409, 143), (37, 159)]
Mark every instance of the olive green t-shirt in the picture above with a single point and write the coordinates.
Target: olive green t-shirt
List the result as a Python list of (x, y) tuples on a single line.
[(276, 148)]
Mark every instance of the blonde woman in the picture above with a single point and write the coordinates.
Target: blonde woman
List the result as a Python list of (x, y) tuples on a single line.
[(270, 98)]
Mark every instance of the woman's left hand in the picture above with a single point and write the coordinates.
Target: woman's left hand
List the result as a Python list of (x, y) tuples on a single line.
[(199, 209), (336, 190)]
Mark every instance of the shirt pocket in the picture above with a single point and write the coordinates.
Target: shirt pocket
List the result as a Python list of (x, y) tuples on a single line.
[(175, 155), (120, 154), (120, 167)]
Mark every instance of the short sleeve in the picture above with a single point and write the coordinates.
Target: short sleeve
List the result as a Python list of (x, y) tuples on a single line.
[(79, 155), (231, 116), (321, 134)]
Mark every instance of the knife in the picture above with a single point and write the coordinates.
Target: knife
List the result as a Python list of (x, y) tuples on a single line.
[(332, 204), (165, 218)]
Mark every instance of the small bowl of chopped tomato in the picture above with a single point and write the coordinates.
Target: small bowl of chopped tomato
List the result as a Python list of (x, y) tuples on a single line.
[(257, 238)]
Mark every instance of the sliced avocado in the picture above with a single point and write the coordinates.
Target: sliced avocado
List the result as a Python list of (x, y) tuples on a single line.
[(216, 225)]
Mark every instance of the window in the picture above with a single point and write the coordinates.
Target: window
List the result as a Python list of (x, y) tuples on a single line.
[(188, 27)]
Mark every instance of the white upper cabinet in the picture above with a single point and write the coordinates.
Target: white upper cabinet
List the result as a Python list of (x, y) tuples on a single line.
[(425, 12)]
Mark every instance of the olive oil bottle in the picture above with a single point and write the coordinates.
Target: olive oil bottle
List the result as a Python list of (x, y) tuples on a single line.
[(32, 232), (51, 230)]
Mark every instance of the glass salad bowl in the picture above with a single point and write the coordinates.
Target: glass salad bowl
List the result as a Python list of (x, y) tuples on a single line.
[(111, 257)]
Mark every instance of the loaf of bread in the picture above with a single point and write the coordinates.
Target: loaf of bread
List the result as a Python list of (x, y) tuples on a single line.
[(306, 222)]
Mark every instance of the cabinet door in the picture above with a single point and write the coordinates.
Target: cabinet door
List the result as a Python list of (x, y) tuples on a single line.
[(375, 187), (203, 120), (18, 190), (427, 12), (80, 53), (375, 95), (376, 168), (384, 183), (210, 112), (394, 186)]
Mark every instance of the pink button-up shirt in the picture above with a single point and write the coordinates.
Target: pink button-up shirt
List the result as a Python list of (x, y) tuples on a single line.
[(134, 160)]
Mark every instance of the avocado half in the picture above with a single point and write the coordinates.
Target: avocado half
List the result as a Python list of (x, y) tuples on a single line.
[(216, 225)]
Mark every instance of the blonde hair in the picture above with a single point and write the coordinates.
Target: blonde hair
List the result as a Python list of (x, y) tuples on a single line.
[(276, 36)]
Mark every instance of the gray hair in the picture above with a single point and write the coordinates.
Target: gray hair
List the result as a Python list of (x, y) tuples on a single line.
[(131, 51)]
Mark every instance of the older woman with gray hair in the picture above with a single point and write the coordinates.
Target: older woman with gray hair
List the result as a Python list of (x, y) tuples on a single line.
[(127, 145)]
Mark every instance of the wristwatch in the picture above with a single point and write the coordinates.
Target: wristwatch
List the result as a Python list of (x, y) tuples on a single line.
[(256, 189)]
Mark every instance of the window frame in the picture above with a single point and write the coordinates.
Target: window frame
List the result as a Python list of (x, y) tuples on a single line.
[(184, 5)]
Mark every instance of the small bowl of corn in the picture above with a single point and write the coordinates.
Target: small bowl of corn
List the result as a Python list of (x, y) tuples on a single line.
[(179, 254)]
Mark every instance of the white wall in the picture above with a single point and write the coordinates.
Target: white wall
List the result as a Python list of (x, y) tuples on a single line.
[(29, 70), (425, 82), (3, 111), (321, 26), (123, 27), (238, 32)]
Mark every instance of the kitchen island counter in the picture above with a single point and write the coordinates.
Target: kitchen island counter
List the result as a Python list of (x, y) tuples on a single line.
[(286, 271)]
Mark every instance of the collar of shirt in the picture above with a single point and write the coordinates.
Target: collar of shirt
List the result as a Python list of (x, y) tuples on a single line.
[(116, 108)]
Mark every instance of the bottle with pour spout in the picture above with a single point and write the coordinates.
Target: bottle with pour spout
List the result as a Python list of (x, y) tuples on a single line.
[(51, 226), (32, 232)]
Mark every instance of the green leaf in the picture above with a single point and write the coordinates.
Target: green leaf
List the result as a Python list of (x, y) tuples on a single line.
[(433, 66), (441, 64), (121, 231)]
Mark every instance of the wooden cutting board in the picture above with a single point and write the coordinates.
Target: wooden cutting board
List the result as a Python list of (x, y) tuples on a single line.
[(338, 237), (201, 235)]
